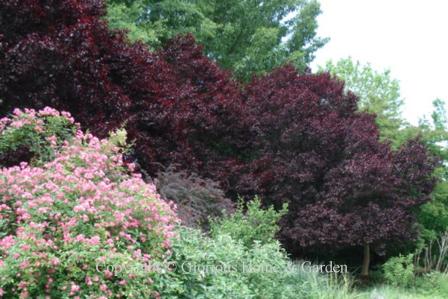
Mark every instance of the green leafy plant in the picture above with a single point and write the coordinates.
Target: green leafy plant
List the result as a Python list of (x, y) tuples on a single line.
[(378, 93), (250, 223), (223, 267), (432, 284), (399, 270), (246, 37)]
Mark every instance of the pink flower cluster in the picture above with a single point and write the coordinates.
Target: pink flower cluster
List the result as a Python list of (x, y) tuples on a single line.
[(24, 117), (84, 207)]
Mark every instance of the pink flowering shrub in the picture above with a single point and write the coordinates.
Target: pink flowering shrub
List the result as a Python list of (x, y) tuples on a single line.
[(81, 226), (33, 136)]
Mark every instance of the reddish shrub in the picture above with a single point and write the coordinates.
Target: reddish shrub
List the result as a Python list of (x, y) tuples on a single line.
[(197, 199)]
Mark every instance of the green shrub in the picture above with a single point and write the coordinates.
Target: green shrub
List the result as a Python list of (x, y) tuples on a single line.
[(250, 223), (399, 270), (222, 267), (240, 259)]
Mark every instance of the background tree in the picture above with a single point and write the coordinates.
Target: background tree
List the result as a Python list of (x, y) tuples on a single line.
[(247, 37), (378, 93), (433, 216)]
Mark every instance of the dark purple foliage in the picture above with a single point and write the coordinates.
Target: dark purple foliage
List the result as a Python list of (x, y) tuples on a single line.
[(313, 150), (198, 123), (198, 200), (61, 54)]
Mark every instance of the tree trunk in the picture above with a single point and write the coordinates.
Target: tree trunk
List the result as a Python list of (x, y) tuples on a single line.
[(365, 261)]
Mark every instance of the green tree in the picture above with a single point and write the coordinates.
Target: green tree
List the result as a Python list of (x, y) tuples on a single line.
[(246, 37), (433, 131), (378, 93), (433, 216)]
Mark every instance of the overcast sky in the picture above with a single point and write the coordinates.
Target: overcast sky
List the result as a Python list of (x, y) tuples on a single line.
[(409, 37)]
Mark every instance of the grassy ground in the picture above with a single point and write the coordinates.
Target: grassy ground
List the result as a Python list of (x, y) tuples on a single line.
[(429, 287), (389, 292)]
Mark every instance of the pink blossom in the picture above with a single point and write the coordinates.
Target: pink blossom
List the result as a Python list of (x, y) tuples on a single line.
[(74, 289), (108, 274), (94, 241), (89, 281), (80, 199), (55, 261), (24, 264), (7, 242)]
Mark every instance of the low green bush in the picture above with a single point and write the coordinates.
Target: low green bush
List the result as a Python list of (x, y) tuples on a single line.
[(399, 270), (240, 259), (250, 223), (433, 216), (222, 267)]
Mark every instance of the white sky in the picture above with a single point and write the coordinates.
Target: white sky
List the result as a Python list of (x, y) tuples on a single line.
[(409, 37)]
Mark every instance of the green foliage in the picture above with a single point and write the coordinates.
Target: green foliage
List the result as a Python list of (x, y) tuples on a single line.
[(389, 292), (439, 116), (399, 270), (434, 284), (126, 16), (250, 223), (240, 259), (378, 93), (247, 37), (433, 255), (434, 133), (223, 267), (433, 216)]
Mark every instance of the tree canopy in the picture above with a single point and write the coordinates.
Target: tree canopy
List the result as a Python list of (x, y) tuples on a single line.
[(246, 37)]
